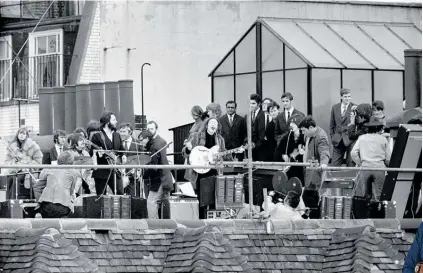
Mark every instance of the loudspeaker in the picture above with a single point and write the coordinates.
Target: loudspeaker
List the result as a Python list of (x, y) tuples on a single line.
[(406, 153), (18, 209), (183, 208), (107, 206)]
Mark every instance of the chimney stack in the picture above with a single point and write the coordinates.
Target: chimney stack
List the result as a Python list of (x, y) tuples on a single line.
[(413, 77)]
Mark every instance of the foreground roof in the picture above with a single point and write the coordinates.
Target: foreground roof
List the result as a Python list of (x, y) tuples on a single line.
[(84, 245)]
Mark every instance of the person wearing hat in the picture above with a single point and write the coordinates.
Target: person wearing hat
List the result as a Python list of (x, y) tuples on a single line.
[(371, 150)]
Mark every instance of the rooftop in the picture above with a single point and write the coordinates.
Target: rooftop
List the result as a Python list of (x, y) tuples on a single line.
[(107, 245)]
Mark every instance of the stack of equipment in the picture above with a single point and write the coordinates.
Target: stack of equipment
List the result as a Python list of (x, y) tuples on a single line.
[(107, 207), (229, 191)]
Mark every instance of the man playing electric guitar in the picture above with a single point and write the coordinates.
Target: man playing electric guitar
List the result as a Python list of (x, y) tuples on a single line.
[(207, 136), (109, 140), (291, 148)]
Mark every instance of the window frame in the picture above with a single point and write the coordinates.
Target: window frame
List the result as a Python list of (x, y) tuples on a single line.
[(8, 41), (33, 43)]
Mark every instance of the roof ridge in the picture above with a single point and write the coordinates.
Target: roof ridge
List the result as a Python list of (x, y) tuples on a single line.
[(47, 248)]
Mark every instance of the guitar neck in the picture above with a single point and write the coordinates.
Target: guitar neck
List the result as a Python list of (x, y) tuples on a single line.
[(228, 152)]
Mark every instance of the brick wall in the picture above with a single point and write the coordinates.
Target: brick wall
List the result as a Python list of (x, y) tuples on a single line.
[(91, 69)]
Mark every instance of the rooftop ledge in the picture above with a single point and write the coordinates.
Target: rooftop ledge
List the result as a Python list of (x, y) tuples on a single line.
[(272, 226)]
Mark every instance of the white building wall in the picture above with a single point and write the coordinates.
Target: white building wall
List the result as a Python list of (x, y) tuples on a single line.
[(91, 70)]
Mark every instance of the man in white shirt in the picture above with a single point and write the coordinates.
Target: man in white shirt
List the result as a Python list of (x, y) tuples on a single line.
[(281, 122), (51, 156)]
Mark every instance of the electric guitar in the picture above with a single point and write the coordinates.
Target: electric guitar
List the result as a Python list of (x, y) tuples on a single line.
[(201, 155)]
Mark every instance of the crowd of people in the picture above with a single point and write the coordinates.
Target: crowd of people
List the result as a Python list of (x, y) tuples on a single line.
[(286, 134), (280, 133), (102, 143)]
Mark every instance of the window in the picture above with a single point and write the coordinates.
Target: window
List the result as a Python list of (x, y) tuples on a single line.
[(45, 60), (5, 62)]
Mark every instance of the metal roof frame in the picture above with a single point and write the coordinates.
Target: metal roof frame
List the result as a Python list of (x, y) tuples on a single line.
[(262, 21)]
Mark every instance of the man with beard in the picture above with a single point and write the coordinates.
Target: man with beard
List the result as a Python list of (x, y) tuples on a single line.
[(130, 145), (162, 195), (208, 136), (109, 140), (59, 139)]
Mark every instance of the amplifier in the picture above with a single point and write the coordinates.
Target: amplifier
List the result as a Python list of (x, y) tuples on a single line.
[(336, 207), (383, 209), (338, 186), (183, 208), (18, 209), (139, 208), (229, 191), (107, 207)]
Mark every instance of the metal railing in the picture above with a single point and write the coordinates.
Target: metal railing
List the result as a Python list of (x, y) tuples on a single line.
[(30, 73), (33, 10), (217, 166)]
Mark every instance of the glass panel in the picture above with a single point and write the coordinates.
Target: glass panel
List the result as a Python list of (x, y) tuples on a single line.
[(389, 89), (52, 43), (245, 86), (3, 50), (41, 45), (409, 34), (360, 84), (365, 46), (227, 67), (387, 40), (223, 89), (296, 84), (272, 85), (326, 84), (338, 48), (292, 60), (246, 53), (6, 84), (302, 43), (272, 51)]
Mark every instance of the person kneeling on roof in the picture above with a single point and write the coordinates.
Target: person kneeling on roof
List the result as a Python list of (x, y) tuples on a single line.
[(282, 208), (55, 189)]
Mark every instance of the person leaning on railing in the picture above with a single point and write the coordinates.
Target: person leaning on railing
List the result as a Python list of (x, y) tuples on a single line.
[(371, 150), (56, 188)]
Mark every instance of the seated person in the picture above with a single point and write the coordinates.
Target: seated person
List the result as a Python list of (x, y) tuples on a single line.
[(55, 188), (278, 208)]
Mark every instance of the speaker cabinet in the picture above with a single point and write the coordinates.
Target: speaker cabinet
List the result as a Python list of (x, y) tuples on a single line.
[(406, 153)]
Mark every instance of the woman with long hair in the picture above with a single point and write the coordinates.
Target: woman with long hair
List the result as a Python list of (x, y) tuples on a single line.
[(22, 150)]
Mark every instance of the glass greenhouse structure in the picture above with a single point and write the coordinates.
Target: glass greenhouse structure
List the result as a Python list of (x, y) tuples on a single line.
[(314, 59)]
